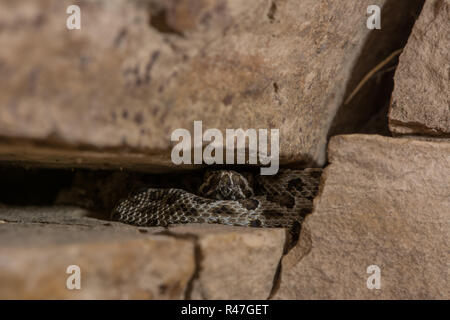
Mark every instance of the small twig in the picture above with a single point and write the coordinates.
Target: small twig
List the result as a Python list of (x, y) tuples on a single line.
[(371, 73)]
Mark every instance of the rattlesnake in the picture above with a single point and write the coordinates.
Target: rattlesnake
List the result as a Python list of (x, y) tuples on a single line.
[(226, 197)]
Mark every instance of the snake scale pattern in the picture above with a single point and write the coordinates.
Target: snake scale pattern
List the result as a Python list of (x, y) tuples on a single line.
[(227, 197)]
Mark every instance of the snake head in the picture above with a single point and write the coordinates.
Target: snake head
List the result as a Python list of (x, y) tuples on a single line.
[(225, 185)]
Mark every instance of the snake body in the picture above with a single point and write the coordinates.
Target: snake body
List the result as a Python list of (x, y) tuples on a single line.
[(226, 197)]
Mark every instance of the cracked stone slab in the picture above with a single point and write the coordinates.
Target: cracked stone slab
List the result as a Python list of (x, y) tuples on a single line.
[(234, 262), (384, 202), (421, 98), (117, 261), (110, 95)]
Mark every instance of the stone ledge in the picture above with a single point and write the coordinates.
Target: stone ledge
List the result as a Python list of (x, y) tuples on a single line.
[(119, 261)]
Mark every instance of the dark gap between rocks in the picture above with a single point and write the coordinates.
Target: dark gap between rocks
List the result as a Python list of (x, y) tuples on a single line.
[(367, 112), (99, 192), (96, 190), (20, 186)]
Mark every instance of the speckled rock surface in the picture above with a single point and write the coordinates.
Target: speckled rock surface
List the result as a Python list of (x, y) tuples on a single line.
[(421, 99), (383, 202), (110, 95), (118, 261), (234, 262)]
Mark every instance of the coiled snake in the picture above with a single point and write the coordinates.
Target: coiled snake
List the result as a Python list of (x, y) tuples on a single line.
[(227, 197)]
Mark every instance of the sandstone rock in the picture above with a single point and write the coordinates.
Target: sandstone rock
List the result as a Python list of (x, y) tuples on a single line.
[(383, 202), (235, 262), (119, 261), (421, 99), (110, 95), (116, 261)]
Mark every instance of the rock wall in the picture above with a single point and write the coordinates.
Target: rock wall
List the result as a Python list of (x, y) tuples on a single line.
[(110, 94)]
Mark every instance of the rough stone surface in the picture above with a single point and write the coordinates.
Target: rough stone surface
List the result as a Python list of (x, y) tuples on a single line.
[(116, 261), (137, 70), (234, 262), (384, 202), (421, 99), (119, 261)]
